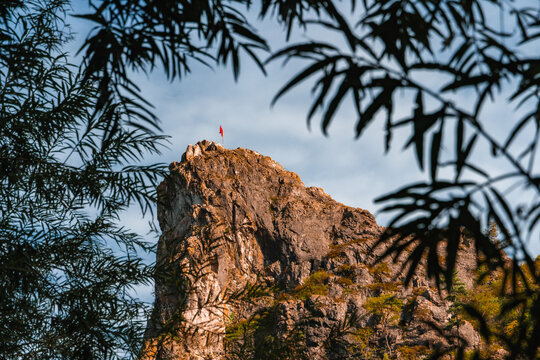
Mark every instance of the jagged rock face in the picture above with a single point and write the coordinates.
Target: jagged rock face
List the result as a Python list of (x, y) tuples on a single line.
[(257, 266)]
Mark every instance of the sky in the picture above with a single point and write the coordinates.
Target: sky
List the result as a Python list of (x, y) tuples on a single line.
[(353, 172)]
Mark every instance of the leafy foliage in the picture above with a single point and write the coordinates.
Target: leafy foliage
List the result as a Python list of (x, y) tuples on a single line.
[(255, 338), (494, 312), (315, 284), (66, 134), (386, 306), (479, 50), (457, 295), (138, 35), (397, 47), (68, 269)]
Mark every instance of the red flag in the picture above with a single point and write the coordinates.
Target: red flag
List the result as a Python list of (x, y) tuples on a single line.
[(220, 130)]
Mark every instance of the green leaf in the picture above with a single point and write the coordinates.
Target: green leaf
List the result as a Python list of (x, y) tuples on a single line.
[(435, 149), (334, 103), (419, 128), (463, 155), (382, 99), (468, 81)]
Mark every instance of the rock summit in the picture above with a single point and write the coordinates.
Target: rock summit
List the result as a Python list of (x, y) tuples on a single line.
[(253, 264)]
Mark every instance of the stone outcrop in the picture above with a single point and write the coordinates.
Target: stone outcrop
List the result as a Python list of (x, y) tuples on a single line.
[(254, 265)]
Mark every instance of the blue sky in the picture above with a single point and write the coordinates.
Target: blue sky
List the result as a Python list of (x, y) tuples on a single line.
[(353, 172)]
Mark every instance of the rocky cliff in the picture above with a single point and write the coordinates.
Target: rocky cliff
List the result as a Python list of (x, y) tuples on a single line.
[(254, 265)]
